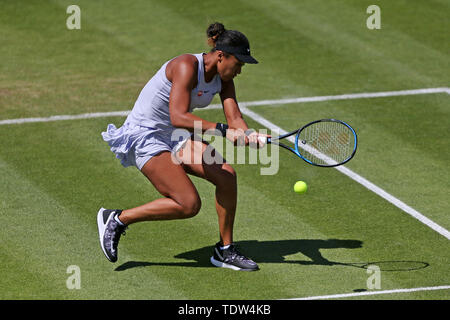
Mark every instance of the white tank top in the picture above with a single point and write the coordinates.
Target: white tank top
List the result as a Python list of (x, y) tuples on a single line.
[(151, 109)]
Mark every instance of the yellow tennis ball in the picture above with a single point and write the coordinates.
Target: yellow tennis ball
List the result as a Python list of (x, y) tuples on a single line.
[(300, 187)]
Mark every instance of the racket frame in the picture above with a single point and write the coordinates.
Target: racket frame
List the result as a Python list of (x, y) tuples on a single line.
[(297, 152)]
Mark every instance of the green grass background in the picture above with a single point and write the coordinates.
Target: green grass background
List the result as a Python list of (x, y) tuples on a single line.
[(55, 176)]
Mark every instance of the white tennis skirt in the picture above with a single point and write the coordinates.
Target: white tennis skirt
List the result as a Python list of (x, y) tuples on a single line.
[(134, 145)]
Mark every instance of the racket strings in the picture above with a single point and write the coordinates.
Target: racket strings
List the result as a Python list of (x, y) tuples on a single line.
[(326, 142)]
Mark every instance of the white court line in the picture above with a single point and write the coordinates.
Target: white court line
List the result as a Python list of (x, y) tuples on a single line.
[(356, 177), (348, 96), (242, 104), (66, 117), (371, 293)]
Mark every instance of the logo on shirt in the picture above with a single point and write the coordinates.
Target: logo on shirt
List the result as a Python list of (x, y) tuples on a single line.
[(200, 93)]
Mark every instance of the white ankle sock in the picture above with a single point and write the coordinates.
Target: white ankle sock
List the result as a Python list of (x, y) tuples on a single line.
[(116, 217)]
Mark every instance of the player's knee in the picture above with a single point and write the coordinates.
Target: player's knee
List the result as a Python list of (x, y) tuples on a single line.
[(191, 206), (228, 176)]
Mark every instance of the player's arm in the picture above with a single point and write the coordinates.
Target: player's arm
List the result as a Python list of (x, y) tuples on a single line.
[(234, 116), (183, 74), (230, 107)]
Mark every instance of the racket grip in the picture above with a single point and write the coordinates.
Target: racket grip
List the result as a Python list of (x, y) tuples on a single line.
[(264, 139)]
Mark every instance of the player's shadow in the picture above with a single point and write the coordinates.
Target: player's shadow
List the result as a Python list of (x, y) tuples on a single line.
[(260, 251), (278, 251)]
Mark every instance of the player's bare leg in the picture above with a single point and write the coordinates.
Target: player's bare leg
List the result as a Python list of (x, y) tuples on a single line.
[(223, 176), (181, 199)]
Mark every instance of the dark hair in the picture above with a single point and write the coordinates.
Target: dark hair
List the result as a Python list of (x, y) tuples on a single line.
[(218, 35), (215, 29)]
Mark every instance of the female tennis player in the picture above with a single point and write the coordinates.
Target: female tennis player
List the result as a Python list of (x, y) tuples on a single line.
[(145, 140)]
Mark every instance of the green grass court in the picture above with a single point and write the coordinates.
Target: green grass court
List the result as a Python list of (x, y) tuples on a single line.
[(56, 175)]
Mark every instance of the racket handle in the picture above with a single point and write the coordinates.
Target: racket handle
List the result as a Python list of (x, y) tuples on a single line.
[(264, 139)]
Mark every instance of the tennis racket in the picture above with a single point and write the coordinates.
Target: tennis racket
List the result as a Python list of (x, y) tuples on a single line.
[(323, 143)]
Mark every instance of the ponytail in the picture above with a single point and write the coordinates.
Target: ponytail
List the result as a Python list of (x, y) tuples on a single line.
[(214, 31)]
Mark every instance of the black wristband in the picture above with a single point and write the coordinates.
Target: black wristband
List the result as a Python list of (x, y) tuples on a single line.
[(222, 127)]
